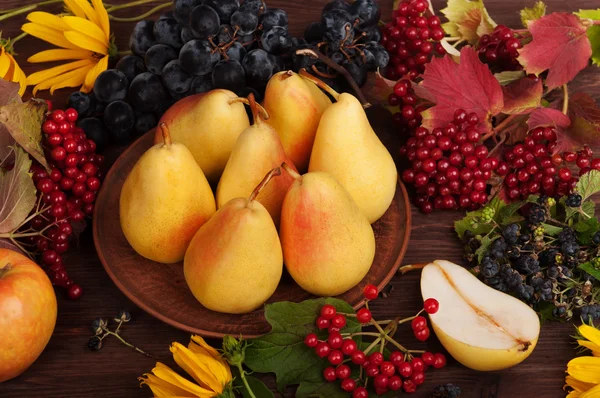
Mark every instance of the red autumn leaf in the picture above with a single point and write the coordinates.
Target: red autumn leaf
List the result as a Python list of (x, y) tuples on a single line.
[(560, 45), (585, 118), (522, 96), (469, 85), (548, 117), (377, 88)]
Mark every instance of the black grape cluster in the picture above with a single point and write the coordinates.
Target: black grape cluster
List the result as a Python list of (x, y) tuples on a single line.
[(349, 34), (197, 46)]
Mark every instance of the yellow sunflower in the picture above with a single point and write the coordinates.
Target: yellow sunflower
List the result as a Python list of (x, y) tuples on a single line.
[(83, 38), (583, 379), (9, 68)]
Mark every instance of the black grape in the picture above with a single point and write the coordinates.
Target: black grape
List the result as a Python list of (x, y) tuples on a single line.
[(131, 66), (367, 12), (244, 22), (225, 35), (336, 24), (246, 40), (275, 40), (146, 92), (259, 66), (236, 51), (197, 57), (313, 32), (229, 74), (175, 79), (168, 31), (144, 122), (381, 55), (336, 5), (99, 105), (142, 37), (273, 17), (183, 8), (298, 41), (110, 85), (204, 22), (337, 57), (372, 33), (166, 15), (95, 130), (255, 7), (187, 34), (225, 8), (118, 118), (83, 103), (300, 61), (358, 71), (201, 84), (158, 56)]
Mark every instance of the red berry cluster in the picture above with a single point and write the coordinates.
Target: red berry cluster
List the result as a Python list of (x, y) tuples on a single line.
[(68, 191), (450, 169), (500, 48), (409, 116), (411, 39), (400, 370), (531, 168)]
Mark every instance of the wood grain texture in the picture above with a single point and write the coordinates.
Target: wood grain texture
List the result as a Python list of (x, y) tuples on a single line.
[(68, 369)]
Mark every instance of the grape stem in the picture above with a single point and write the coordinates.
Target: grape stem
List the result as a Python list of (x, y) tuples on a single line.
[(322, 74), (341, 70), (565, 107)]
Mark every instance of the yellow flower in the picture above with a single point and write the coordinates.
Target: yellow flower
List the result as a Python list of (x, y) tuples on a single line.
[(202, 362), (83, 38), (583, 377), (9, 68)]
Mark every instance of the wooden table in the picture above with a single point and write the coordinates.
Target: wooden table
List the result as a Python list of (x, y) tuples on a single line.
[(68, 369)]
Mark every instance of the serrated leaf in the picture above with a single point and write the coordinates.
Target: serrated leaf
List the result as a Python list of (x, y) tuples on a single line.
[(585, 120), (545, 310), (554, 118), (377, 89), (551, 230), (9, 93), (522, 96), (509, 76), (282, 351), (469, 85), (468, 20), (589, 268), (588, 184), (466, 223), (529, 14), (506, 214), (17, 192), (24, 123), (593, 33), (586, 229), (483, 249), (560, 45)]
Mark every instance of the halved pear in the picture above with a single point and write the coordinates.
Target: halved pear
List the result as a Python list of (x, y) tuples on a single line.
[(482, 328)]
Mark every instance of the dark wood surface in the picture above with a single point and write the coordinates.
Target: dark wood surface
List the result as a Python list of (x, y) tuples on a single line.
[(68, 369)]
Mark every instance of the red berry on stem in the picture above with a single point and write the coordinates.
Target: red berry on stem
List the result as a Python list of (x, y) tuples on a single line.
[(71, 115), (311, 340), (358, 357), (422, 334), (418, 365), (405, 369), (380, 381), (419, 323), (394, 383), (329, 374), (335, 340), (418, 378), (360, 392), (409, 386), (322, 349), (335, 357), (439, 361), (396, 358), (328, 311), (364, 315), (371, 370), (322, 323), (348, 346), (428, 358), (387, 368), (338, 321), (348, 385), (431, 305), (370, 292), (342, 372)]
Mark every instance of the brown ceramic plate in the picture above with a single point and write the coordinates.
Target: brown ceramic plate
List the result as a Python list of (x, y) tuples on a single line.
[(161, 289)]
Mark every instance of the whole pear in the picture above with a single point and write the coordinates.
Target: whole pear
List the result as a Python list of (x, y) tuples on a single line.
[(257, 150), (295, 106), (208, 124), (347, 147), (164, 200), (328, 244), (234, 263)]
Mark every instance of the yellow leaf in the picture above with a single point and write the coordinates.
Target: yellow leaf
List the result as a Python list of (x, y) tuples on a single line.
[(586, 369), (169, 375), (59, 54), (86, 42), (102, 17), (100, 67), (78, 75), (86, 28), (40, 76), (534, 13), (468, 20), (48, 20), (52, 36)]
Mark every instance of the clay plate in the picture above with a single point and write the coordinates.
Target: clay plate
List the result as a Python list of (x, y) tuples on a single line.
[(161, 289)]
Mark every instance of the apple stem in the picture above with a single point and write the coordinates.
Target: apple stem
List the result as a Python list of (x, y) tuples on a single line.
[(275, 172), (291, 171), (166, 134), (5, 270), (264, 115), (319, 83)]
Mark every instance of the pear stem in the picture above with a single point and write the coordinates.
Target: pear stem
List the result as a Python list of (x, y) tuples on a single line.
[(291, 171), (319, 83), (166, 134), (263, 111), (275, 172)]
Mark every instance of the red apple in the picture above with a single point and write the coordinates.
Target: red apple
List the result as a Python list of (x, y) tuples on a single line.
[(27, 313)]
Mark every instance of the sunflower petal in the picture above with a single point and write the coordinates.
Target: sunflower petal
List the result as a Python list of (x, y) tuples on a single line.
[(577, 385), (42, 75), (74, 7), (49, 35), (200, 347), (88, 10), (86, 42), (48, 20), (4, 63), (590, 333), (100, 67), (592, 393), (78, 75), (18, 75), (586, 369), (591, 346), (170, 376), (75, 79), (162, 388), (59, 54), (102, 17), (201, 368), (86, 28)]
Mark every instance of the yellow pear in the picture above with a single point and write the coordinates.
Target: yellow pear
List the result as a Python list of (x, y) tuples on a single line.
[(257, 150), (295, 106), (482, 328), (347, 147), (234, 263), (328, 244), (208, 124), (164, 200)]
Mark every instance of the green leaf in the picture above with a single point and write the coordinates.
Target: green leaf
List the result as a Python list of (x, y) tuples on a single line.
[(483, 249), (589, 268), (593, 33), (545, 310), (586, 229), (259, 388), (533, 13), (506, 214), (551, 230), (282, 351), (468, 20), (507, 77), (17, 192), (320, 389), (588, 184), (589, 208), (466, 223)]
